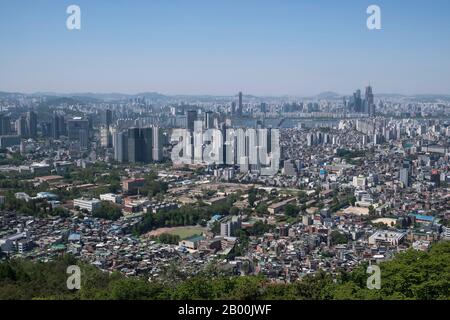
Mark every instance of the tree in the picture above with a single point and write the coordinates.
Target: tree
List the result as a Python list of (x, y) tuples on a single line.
[(168, 238), (352, 200), (259, 228), (302, 196), (252, 197), (108, 211), (234, 211), (380, 226), (215, 227), (292, 210), (61, 212), (410, 275), (338, 238), (261, 208), (153, 186)]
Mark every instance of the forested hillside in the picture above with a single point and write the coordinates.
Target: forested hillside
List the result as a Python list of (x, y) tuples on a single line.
[(411, 275)]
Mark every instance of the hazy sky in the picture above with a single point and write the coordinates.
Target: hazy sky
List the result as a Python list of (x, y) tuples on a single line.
[(262, 47)]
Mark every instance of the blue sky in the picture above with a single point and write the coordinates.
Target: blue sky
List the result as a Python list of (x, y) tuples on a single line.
[(262, 47)]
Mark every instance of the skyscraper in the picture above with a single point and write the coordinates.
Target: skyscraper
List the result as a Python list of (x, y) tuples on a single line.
[(78, 130), (31, 124), (357, 101), (209, 120), (106, 137), (56, 131), (83, 138), (233, 108), (240, 106), (58, 126), (21, 127), (140, 145), (191, 117), (135, 145), (263, 107), (120, 142), (5, 125), (62, 126), (369, 101), (157, 152), (404, 177), (405, 173), (47, 130), (108, 118), (369, 95)]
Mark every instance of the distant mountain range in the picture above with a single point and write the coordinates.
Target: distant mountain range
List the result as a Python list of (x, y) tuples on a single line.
[(102, 96), (91, 97), (328, 95)]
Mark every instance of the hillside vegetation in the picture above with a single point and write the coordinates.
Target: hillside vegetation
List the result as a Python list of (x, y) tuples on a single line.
[(411, 275)]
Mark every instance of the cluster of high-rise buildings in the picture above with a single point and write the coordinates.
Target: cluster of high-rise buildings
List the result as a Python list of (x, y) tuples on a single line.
[(237, 110), (75, 129), (358, 104), (209, 141), (138, 145), (318, 138), (26, 125)]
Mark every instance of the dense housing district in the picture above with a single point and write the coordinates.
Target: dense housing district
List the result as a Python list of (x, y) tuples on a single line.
[(359, 181)]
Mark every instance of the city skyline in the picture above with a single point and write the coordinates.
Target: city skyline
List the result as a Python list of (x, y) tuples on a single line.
[(250, 151), (266, 49), (327, 94)]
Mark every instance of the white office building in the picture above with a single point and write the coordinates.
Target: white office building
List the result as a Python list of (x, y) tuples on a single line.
[(87, 204), (394, 238), (111, 197)]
